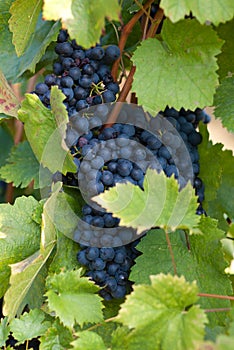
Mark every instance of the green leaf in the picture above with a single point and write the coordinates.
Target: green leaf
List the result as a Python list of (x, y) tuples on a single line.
[(119, 338), (185, 60), (5, 273), (210, 157), (19, 234), (225, 61), (29, 325), (198, 257), (44, 134), (14, 67), (209, 10), (56, 337), (220, 188), (160, 204), (161, 311), (228, 248), (6, 143), (88, 340), (9, 104), (224, 103), (62, 205), (37, 213), (4, 331), (27, 284), (84, 20), (73, 298), (48, 228), (24, 16), (224, 342), (22, 167), (66, 254)]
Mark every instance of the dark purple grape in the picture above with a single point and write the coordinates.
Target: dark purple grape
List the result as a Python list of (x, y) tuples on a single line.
[(41, 88), (67, 82), (64, 49), (63, 36)]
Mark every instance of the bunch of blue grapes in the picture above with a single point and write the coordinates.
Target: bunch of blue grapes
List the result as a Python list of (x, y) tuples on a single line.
[(121, 153), (84, 76)]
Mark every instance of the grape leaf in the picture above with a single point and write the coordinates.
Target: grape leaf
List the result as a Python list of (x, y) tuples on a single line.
[(22, 167), (56, 337), (5, 273), (204, 262), (160, 204), (24, 16), (179, 70), (66, 254), (19, 234), (161, 311), (220, 190), (83, 20), (4, 331), (6, 143), (72, 298), (214, 11), (210, 157), (119, 338), (27, 283), (225, 58), (44, 134), (14, 67), (60, 205), (88, 340), (228, 248), (224, 103), (37, 213), (8, 101), (30, 325)]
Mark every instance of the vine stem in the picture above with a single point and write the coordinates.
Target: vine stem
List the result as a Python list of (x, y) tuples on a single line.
[(217, 296), (224, 309), (171, 252), (101, 323), (128, 83), (125, 33)]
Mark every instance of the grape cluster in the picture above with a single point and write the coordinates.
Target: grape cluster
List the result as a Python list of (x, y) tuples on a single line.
[(122, 153), (84, 76), (106, 155)]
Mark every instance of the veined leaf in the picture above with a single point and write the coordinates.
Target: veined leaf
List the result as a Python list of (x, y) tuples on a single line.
[(163, 315), (160, 204), (30, 325), (73, 298), (56, 337), (44, 134), (196, 257), (24, 16), (178, 70), (22, 167), (84, 20), (19, 233), (204, 10), (224, 103), (88, 340), (4, 331), (225, 58), (9, 104), (26, 284), (220, 188)]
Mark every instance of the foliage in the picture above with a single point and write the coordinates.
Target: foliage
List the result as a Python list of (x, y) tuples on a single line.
[(182, 294)]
